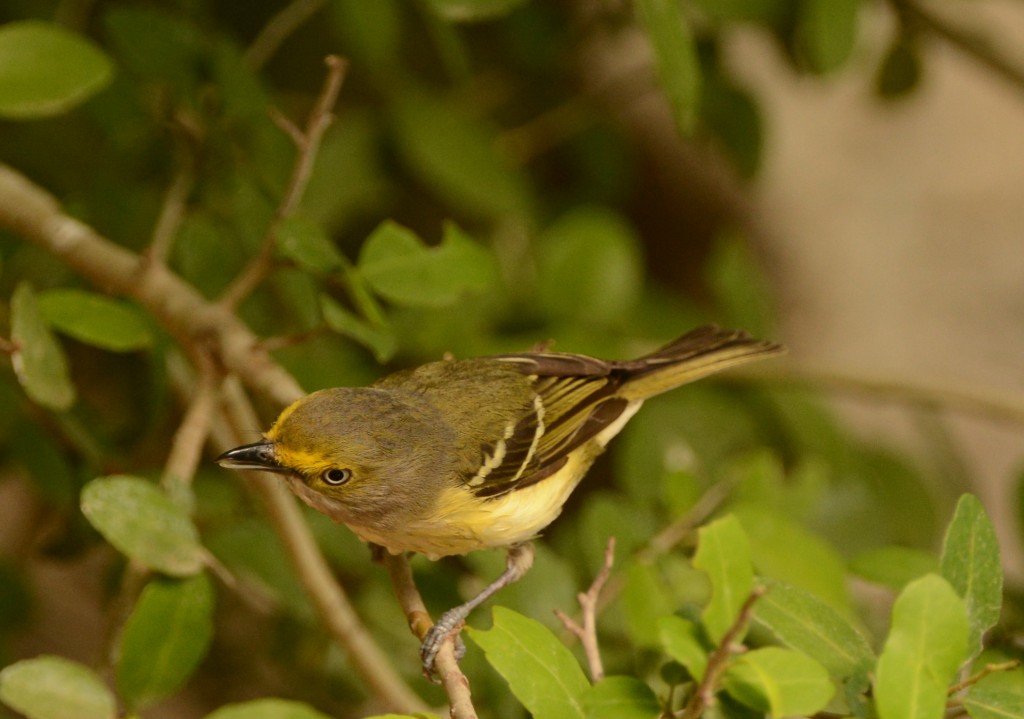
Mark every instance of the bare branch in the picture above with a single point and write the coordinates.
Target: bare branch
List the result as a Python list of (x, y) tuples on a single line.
[(175, 202), (446, 666), (320, 118), (985, 671), (587, 631)]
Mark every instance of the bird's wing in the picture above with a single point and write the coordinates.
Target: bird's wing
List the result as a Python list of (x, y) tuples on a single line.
[(573, 399)]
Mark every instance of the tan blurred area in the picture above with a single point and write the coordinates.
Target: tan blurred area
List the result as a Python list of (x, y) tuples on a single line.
[(897, 231)]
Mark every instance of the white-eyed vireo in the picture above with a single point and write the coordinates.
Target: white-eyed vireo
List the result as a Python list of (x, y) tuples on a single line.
[(460, 455)]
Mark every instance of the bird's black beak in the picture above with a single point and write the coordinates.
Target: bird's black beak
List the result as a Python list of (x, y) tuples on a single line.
[(258, 455)]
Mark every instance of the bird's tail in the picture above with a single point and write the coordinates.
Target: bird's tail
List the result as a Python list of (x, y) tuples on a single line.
[(696, 354)]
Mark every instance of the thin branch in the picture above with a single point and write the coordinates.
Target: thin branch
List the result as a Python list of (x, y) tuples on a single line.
[(985, 671), (446, 666), (320, 118), (277, 30), (989, 404), (718, 660), (970, 43), (175, 202), (333, 605), (587, 631)]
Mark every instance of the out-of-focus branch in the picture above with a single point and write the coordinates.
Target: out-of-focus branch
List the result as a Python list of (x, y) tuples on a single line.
[(278, 28), (308, 144), (190, 437), (972, 44), (446, 666), (586, 630)]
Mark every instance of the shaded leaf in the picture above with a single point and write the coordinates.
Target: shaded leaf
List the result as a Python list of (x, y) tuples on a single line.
[(267, 709), (926, 644), (621, 698), (50, 687), (680, 638), (398, 266), (970, 563), (540, 671), (305, 243), (95, 319), (46, 69), (378, 339), (893, 566), (723, 552), (39, 361), (803, 622), (676, 55), (992, 703), (143, 523), (165, 638), (779, 681), (645, 600), (900, 70), (827, 32)]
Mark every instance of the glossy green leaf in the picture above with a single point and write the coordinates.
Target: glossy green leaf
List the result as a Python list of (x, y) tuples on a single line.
[(267, 709), (621, 698), (589, 266), (143, 523), (39, 361), (894, 567), (723, 552), (779, 681), (399, 267), (676, 55), (680, 638), (378, 339), (970, 563), (46, 69), (473, 10), (926, 645), (827, 32), (541, 672), (456, 156), (50, 687), (802, 621), (95, 319), (165, 638), (994, 703), (306, 244)]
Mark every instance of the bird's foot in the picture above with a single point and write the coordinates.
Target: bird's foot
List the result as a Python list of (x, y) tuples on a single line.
[(449, 625)]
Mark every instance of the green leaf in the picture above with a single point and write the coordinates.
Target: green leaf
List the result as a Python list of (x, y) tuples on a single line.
[(738, 284), (723, 552), (95, 319), (675, 53), (46, 69), (893, 566), (50, 687), (826, 32), (589, 266), (970, 562), (540, 671), (621, 698), (803, 622), (900, 70), (926, 644), (779, 681), (399, 267), (39, 361), (143, 523), (372, 32), (992, 703), (680, 638), (457, 156), (379, 340), (164, 639), (267, 709), (305, 243), (417, 715), (473, 10), (153, 43), (645, 599)]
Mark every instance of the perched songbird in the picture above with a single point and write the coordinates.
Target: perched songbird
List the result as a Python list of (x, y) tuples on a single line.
[(460, 455)]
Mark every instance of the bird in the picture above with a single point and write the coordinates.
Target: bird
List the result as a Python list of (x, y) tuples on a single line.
[(460, 455)]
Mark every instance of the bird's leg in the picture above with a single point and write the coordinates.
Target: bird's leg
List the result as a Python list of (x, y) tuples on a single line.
[(517, 563)]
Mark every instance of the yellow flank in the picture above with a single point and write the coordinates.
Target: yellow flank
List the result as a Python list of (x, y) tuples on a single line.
[(462, 522)]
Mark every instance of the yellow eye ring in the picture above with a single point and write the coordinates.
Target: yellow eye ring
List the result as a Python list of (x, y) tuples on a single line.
[(335, 476)]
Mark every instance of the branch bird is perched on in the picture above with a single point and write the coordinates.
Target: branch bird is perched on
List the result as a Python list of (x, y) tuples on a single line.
[(461, 455)]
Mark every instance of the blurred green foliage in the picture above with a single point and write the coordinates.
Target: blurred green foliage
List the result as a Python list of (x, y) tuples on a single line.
[(470, 197)]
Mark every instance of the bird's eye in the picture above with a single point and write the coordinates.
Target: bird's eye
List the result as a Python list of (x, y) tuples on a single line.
[(336, 477)]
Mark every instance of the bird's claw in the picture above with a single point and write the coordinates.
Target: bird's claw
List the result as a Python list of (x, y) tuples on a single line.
[(435, 639)]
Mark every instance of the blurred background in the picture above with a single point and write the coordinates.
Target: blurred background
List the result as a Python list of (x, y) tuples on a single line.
[(844, 176)]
